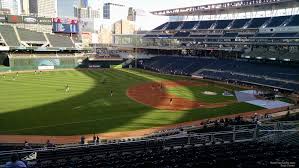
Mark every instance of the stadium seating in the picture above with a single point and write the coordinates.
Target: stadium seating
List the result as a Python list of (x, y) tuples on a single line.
[(294, 21), (205, 24), (239, 23), (283, 76), (277, 21), (182, 34), (60, 41), (31, 36), (161, 26), (253, 23), (257, 22), (173, 25), (189, 25), (9, 35), (241, 155), (222, 24)]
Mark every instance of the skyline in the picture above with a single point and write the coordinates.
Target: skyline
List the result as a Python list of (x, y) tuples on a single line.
[(152, 5)]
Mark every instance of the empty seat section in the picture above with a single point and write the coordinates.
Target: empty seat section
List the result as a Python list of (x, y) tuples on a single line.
[(205, 24), (9, 35), (264, 35), (222, 24), (189, 25), (161, 26), (294, 21), (230, 35), (28, 35), (214, 35), (173, 25), (198, 35), (257, 22), (182, 34), (165, 35), (285, 35), (239, 23), (60, 41), (151, 35), (277, 21)]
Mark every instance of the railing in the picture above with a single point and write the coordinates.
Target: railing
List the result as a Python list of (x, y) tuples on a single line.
[(270, 132)]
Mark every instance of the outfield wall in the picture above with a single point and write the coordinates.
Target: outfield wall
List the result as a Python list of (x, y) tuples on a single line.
[(46, 63)]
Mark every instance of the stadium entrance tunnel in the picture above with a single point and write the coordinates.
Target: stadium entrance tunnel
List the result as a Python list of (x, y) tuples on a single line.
[(92, 111)]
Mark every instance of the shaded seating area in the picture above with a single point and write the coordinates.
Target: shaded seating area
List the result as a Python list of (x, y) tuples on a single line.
[(9, 35), (271, 75), (60, 41), (137, 154), (31, 36)]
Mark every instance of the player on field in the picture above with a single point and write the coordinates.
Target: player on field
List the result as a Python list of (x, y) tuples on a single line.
[(170, 101), (17, 74), (67, 88), (111, 93)]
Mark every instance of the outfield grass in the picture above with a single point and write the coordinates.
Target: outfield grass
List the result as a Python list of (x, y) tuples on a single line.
[(37, 104)]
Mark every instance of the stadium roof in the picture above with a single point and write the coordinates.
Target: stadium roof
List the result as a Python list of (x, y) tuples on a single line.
[(221, 7)]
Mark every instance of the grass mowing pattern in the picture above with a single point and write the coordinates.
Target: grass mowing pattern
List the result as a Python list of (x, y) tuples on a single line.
[(37, 104), (196, 93)]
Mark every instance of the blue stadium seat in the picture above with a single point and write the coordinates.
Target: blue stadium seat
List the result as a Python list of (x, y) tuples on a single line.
[(239, 23), (173, 25), (182, 34), (285, 35), (222, 24), (205, 24), (257, 22), (161, 26), (230, 35), (277, 21), (188, 25), (294, 21)]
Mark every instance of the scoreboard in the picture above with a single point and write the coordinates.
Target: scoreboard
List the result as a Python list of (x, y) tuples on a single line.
[(65, 25)]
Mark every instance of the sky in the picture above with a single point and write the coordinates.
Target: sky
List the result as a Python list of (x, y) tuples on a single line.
[(151, 5)]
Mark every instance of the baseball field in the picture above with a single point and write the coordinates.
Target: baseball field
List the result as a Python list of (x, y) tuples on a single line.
[(76, 102)]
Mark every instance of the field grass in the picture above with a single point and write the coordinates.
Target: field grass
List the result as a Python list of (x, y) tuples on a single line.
[(37, 104), (197, 93)]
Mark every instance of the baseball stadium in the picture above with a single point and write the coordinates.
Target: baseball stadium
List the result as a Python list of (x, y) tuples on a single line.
[(213, 85)]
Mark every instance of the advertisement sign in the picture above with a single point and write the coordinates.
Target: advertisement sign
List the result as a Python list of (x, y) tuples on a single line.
[(14, 19), (3, 18), (45, 21), (46, 67), (27, 19), (30, 20)]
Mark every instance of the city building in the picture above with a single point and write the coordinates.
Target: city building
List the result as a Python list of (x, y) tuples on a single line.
[(33, 7), (13, 5), (114, 11), (56, 8), (86, 13)]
